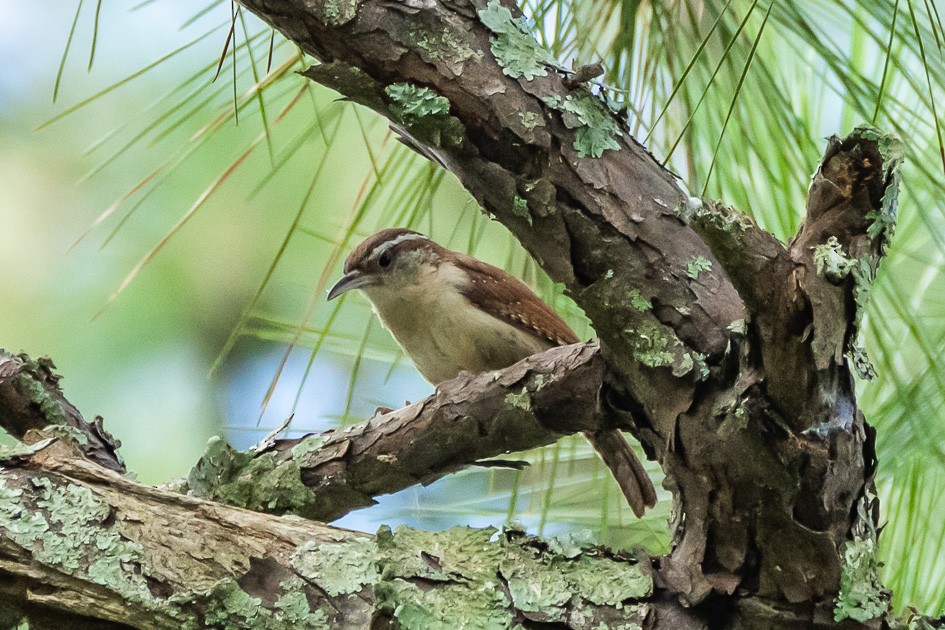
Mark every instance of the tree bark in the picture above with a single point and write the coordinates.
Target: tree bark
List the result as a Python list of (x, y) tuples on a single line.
[(729, 349), (727, 353)]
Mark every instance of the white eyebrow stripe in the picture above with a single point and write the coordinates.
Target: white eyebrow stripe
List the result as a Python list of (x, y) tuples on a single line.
[(383, 247)]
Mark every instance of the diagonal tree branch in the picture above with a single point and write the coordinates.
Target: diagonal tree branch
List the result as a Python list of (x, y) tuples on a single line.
[(532, 403)]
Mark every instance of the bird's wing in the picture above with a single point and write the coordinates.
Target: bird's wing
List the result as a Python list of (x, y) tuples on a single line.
[(510, 300)]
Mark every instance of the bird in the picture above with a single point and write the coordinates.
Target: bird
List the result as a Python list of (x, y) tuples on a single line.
[(451, 312)]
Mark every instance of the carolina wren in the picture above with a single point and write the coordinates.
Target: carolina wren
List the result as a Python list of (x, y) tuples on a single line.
[(451, 312)]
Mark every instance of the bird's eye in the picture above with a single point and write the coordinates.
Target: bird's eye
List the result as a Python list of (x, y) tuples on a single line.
[(384, 260)]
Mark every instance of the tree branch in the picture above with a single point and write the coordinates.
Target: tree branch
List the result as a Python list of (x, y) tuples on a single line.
[(75, 537), (472, 417), (30, 400)]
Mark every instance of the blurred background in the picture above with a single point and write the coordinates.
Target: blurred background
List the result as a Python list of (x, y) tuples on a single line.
[(167, 236)]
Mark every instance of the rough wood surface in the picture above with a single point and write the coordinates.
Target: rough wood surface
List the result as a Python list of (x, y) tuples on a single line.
[(83, 540)]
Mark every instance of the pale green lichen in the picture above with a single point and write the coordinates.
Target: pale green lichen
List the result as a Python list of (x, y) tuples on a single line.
[(21, 525), (739, 327), (456, 551), (596, 128), (476, 573), (536, 590), (690, 361), (892, 151), (451, 46), (260, 482), (425, 112), (67, 530), (464, 562), (517, 52), (650, 346), (697, 265), (19, 450), (606, 582), (293, 606), (530, 120), (639, 302), (228, 604), (340, 568), (864, 274), (411, 102), (302, 451), (522, 400), (862, 596), (830, 261), (336, 12), (520, 208)]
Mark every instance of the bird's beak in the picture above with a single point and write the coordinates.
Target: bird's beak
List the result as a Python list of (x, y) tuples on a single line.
[(351, 280)]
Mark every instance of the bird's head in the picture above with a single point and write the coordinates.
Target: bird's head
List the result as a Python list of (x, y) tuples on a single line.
[(388, 264)]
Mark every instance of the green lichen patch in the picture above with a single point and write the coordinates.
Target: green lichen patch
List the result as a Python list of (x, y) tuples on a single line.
[(465, 562), (459, 553), (690, 361), (520, 208), (340, 568), (335, 12), (738, 327), (227, 605), (483, 578), (425, 113), (862, 596), (830, 261), (479, 606), (605, 581), (517, 52), (20, 451), (536, 589), (411, 102), (650, 346), (864, 274), (522, 400), (531, 120), (293, 606), (20, 524), (596, 128), (262, 482), (302, 451), (451, 46), (637, 300), (696, 265), (68, 529)]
